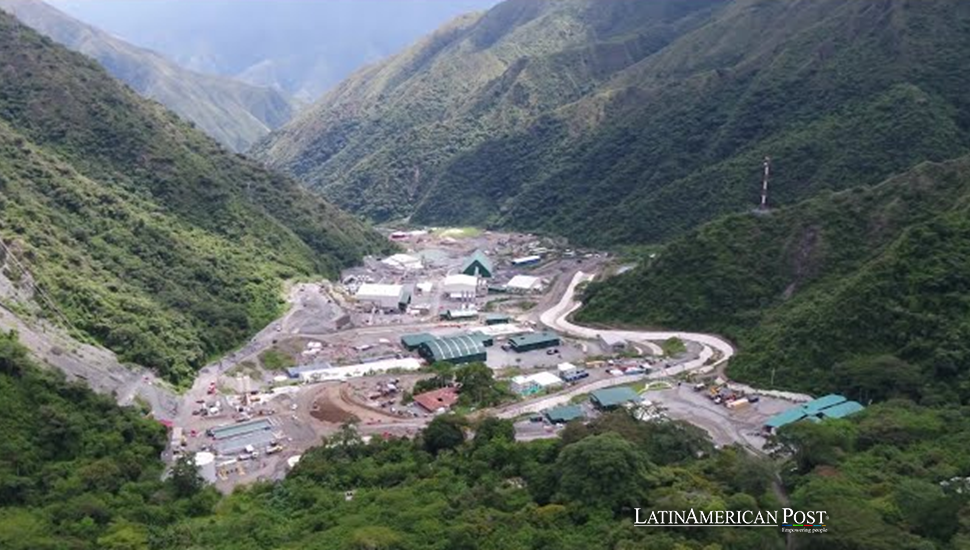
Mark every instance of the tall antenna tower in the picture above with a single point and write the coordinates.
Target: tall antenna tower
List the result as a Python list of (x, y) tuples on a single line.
[(764, 184)]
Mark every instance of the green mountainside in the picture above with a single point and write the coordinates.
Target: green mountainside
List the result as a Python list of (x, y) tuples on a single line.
[(233, 112), (864, 290), (621, 121), (151, 238)]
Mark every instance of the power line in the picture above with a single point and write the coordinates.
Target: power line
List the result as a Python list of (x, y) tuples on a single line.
[(764, 184)]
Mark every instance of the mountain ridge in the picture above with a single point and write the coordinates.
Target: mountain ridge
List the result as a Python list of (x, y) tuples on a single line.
[(233, 112), (517, 114)]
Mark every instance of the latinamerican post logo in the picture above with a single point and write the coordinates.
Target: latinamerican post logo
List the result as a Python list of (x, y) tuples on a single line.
[(788, 519)]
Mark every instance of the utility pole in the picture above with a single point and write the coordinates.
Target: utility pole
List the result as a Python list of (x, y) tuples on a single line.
[(764, 184)]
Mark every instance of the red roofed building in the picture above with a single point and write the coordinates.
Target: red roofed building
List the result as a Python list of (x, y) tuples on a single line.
[(433, 400)]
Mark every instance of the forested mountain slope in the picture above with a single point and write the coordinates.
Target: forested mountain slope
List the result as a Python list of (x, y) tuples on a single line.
[(233, 112), (618, 121), (151, 238), (864, 291)]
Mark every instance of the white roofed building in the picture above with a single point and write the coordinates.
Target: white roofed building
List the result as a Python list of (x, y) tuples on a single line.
[(524, 284), (403, 262), (460, 285), (383, 296)]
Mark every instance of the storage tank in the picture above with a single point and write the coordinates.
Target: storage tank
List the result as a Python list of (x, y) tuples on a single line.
[(206, 464)]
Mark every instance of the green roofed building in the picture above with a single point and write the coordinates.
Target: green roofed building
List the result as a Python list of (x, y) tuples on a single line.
[(564, 414), (610, 398), (478, 264), (538, 340), (454, 349), (497, 319), (785, 418), (412, 342), (815, 406), (841, 410)]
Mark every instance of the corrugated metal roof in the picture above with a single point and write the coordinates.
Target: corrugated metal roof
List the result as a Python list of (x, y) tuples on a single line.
[(415, 340), (482, 259), (842, 409), (446, 349), (565, 413), (786, 417), (816, 405), (611, 397), (534, 338)]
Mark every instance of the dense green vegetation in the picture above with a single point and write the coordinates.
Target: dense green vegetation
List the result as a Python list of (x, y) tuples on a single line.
[(863, 291), (77, 472), (620, 121), (234, 113), (150, 237), (479, 388)]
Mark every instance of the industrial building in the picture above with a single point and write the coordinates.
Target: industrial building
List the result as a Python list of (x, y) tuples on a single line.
[(538, 340), (403, 262), (611, 342), (497, 319), (460, 286), (236, 430), (454, 349), (524, 284), (478, 265), (437, 400), (412, 342), (825, 407), (460, 314), (384, 296), (362, 369), (610, 398), (535, 383), (564, 414)]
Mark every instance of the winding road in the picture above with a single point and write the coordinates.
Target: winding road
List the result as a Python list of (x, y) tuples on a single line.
[(714, 353)]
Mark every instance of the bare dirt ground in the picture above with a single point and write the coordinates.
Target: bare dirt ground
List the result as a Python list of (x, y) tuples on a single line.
[(93, 365)]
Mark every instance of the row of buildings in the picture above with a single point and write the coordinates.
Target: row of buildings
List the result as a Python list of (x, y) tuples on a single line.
[(816, 410)]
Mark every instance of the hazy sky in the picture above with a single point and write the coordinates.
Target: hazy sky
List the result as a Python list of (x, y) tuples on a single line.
[(303, 46)]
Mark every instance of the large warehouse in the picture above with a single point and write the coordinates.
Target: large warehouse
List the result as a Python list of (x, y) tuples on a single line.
[(384, 296), (538, 340), (455, 350)]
